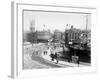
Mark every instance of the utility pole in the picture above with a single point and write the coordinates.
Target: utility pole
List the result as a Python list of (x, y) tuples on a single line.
[(86, 22), (86, 28)]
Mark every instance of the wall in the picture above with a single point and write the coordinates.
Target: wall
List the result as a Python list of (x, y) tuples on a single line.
[(5, 41)]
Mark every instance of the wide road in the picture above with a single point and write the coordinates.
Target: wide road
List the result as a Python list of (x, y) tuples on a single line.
[(36, 62), (44, 61), (33, 57), (33, 61)]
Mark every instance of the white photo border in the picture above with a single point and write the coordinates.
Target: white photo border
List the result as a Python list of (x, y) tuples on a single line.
[(17, 30)]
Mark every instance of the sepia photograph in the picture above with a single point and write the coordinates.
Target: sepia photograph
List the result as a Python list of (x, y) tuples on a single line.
[(55, 39)]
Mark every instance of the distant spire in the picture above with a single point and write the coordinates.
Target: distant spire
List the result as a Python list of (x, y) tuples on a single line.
[(86, 21), (32, 25), (43, 25), (72, 26), (66, 26)]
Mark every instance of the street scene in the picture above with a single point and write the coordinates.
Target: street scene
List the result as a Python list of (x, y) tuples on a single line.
[(56, 40)]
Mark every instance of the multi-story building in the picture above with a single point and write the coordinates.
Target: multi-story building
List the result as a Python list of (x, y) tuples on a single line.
[(57, 35), (86, 37), (37, 36), (77, 35), (72, 34)]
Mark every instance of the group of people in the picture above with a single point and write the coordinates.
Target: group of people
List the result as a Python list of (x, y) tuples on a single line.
[(55, 56), (45, 52)]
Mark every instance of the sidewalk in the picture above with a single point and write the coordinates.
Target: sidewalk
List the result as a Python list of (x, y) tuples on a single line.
[(65, 64)]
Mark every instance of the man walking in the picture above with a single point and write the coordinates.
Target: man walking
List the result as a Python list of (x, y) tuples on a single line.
[(57, 57)]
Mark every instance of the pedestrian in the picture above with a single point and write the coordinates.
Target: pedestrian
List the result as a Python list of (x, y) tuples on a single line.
[(52, 56), (57, 57), (44, 52)]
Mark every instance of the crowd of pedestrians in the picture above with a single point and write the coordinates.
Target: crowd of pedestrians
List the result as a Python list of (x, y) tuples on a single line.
[(55, 55), (52, 53)]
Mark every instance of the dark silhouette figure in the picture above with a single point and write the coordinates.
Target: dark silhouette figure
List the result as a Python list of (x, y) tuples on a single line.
[(52, 56), (57, 58), (44, 52)]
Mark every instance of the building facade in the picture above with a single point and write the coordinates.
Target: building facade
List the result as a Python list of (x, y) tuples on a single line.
[(72, 34), (57, 36), (77, 36)]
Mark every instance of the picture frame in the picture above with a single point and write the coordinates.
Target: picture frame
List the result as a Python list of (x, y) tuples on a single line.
[(17, 70)]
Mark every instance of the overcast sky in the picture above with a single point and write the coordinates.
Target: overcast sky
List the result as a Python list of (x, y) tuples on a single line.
[(54, 20)]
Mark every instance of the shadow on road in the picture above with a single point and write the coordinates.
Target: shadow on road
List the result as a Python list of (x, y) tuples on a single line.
[(43, 61)]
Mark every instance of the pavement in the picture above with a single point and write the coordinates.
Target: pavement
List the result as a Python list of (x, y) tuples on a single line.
[(43, 61), (65, 63), (32, 60)]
